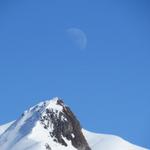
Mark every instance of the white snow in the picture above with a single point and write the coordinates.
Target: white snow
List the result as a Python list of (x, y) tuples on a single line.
[(108, 142), (27, 133), (5, 126)]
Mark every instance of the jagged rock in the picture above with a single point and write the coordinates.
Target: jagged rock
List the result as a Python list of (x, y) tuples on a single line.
[(47, 147), (65, 125)]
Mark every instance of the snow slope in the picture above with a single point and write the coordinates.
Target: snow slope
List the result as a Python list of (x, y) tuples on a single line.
[(5, 126), (27, 133), (108, 142)]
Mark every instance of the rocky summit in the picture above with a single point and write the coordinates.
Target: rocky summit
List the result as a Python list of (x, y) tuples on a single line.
[(51, 125), (65, 125)]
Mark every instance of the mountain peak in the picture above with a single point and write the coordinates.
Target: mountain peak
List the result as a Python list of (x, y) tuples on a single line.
[(54, 120), (52, 103), (51, 125)]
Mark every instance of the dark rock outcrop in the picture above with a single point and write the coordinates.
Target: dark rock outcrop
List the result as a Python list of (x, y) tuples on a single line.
[(65, 125)]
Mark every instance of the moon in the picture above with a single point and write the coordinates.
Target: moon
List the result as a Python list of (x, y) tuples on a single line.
[(78, 37)]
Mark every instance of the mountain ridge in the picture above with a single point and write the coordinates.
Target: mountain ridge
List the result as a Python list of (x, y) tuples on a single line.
[(51, 125)]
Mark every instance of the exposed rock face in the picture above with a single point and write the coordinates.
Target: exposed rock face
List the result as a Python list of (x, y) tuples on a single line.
[(64, 125)]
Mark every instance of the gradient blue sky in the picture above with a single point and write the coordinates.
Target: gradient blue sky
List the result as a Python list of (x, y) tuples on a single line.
[(107, 84)]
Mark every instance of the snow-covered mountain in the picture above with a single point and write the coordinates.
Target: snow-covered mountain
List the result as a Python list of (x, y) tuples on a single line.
[(51, 125)]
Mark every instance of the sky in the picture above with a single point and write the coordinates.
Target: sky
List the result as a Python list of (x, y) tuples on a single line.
[(93, 54)]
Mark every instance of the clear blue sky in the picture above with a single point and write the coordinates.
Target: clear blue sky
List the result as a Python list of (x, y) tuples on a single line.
[(107, 84)]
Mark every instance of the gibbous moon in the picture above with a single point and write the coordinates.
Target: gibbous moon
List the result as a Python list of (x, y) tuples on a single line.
[(78, 37)]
